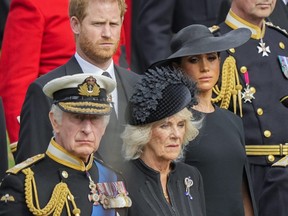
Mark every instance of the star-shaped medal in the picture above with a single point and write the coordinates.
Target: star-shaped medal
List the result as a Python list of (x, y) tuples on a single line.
[(248, 95), (263, 49)]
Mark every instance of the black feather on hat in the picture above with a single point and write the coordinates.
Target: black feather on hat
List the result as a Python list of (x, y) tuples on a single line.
[(161, 93)]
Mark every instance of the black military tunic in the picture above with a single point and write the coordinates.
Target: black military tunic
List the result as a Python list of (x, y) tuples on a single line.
[(262, 70), (52, 183)]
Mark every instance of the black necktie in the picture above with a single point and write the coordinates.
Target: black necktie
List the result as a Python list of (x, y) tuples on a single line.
[(105, 73)]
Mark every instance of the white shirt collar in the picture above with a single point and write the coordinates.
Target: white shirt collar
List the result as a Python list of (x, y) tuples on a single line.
[(87, 67)]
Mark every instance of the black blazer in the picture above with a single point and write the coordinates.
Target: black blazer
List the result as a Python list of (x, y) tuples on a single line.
[(35, 127)]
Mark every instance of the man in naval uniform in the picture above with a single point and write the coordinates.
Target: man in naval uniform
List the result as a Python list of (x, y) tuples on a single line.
[(257, 81), (67, 179)]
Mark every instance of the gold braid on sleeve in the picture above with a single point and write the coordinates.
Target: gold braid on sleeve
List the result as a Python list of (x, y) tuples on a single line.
[(61, 195), (230, 86)]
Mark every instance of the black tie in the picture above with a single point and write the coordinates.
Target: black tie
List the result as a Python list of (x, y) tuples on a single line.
[(105, 73)]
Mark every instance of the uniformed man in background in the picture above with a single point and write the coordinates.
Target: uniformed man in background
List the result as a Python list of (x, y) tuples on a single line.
[(67, 179), (254, 85)]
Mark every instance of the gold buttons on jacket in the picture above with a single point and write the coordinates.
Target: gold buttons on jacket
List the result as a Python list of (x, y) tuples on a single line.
[(260, 111), (243, 69), (64, 174), (271, 158), (282, 45), (267, 133), (253, 90)]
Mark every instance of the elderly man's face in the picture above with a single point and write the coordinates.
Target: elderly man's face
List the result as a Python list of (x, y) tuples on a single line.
[(79, 134)]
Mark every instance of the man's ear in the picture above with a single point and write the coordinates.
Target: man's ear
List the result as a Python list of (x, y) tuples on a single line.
[(54, 123), (75, 25)]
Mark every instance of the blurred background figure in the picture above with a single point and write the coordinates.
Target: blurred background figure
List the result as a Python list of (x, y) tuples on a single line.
[(155, 21)]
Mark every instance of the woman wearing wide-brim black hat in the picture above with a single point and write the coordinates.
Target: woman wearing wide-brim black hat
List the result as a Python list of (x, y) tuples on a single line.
[(218, 151)]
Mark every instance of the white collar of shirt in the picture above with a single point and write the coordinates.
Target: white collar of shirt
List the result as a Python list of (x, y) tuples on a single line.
[(285, 1), (87, 67)]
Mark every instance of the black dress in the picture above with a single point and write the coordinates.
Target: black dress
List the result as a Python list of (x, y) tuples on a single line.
[(218, 152), (145, 190)]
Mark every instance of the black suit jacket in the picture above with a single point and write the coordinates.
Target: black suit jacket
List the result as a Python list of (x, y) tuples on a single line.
[(35, 127)]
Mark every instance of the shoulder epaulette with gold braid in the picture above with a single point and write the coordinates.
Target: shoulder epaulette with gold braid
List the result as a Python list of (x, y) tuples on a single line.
[(26, 163), (278, 28)]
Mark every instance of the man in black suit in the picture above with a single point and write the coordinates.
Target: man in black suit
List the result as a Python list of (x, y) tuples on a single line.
[(96, 26)]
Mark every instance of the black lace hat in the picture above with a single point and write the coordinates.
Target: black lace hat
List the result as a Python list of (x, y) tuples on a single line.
[(198, 39), (160, 93), (81, 93)]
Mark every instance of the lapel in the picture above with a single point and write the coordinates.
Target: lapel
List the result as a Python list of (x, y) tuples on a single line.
[(122, 94), (72, 67)]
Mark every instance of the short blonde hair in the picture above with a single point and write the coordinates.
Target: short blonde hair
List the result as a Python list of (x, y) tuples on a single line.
[(135, 137), (77, 8)]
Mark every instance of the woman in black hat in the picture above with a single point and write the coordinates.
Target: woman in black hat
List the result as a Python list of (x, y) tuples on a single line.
[(159, 126), (218, 151)]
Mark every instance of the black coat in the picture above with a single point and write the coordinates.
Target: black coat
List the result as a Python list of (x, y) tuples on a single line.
[(148, 198), (35, 127)]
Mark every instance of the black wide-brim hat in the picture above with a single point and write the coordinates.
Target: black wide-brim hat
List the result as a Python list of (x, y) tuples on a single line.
[(198, 39), (82, 93)]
